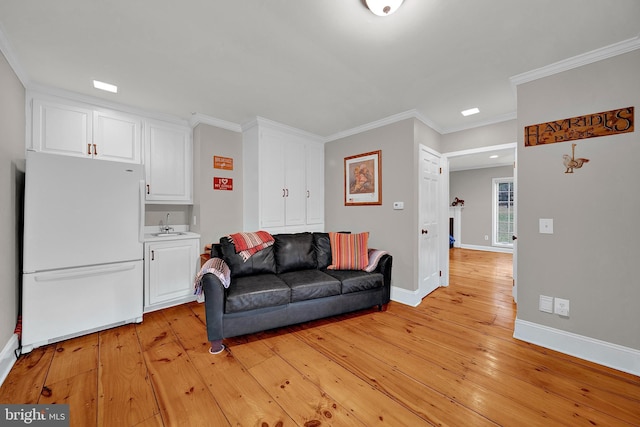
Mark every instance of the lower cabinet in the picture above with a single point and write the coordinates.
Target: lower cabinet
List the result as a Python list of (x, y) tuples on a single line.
[(170, 268)]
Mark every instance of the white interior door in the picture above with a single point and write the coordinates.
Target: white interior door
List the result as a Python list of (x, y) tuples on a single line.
[(428, 246)]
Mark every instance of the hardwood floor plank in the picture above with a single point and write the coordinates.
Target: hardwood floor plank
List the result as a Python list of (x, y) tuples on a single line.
[(72, 357), (79, 392), (125, 396), (182, 395), (27, 377), (240, 396), (354, 353), (368, 404)]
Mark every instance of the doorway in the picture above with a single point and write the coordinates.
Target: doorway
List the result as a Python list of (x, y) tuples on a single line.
[(478, 158)]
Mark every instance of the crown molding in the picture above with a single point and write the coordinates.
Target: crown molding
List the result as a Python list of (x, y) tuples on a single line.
[(492, 121), (198, 118), (615, 49), (271, 124)]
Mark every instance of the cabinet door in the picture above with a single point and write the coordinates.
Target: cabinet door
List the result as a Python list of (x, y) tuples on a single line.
[(168, 163), (171, 268), (295, 183), (117, 137), (62, 128), (271, 182), (315, 183)]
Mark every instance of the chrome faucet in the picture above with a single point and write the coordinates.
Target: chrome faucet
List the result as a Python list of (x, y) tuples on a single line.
[(166, 228)]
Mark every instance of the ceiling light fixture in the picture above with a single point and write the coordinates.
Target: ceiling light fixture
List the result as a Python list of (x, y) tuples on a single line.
[(470, 112), (493, 156), (105, 86), (383, 7)]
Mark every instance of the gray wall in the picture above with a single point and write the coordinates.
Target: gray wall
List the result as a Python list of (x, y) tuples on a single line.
[(592, 257), (483, 136), (218, 212), (475, 187), (391, 230), (12, 164)]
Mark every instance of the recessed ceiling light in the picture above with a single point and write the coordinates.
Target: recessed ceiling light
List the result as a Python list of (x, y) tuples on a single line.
[(470, 112), (105, 86), (494, 156)]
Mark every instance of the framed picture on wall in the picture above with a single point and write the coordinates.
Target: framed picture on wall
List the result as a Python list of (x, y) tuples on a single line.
[(363, 179)]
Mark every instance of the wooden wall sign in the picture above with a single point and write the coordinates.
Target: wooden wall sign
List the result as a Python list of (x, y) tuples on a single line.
[(222, 183), (593, 125), (220, 162)]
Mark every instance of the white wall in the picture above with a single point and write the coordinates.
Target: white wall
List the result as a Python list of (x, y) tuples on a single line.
[(12, 166), (592, 256)]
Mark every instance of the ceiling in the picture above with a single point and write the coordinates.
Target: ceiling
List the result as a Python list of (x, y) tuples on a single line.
[(323, 66)]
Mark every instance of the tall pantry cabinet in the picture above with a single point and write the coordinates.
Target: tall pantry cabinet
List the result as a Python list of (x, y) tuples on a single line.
[(283, 177)]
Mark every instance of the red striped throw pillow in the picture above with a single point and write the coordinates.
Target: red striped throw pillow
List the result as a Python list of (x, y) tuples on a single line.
[(349, 251)]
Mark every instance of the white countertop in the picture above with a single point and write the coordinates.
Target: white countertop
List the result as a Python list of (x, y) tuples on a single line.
[(179, 232)]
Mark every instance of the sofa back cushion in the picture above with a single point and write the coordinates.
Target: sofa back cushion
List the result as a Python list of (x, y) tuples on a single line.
[(262, 262), (322, 245), (294, 252)]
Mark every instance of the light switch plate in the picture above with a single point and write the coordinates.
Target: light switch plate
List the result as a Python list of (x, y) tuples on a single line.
[(546, 225), (546, 304)]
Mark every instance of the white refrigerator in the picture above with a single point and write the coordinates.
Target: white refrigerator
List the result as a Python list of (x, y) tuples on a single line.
[(83, 247)]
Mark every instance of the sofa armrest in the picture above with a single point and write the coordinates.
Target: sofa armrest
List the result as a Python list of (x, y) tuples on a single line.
[(384, 268), (214, 296)]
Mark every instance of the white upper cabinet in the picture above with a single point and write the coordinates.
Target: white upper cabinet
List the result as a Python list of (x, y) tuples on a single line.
[(168, 160), (75, 129), (283, 179), (117, 136)]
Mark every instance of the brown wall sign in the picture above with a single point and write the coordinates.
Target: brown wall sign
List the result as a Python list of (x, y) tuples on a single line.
[(220, 162), (590, 126)]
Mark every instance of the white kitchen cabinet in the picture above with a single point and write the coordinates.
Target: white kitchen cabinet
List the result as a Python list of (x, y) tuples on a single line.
[(70, 128), (284, 179), (168, 160), (170, 268)]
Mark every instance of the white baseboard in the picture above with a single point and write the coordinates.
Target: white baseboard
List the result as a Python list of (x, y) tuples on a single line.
[(487, 248), (8, 357), (604, 353), (406, 297)]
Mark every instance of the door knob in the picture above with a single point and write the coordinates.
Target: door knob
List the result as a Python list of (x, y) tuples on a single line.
[(425, 231)]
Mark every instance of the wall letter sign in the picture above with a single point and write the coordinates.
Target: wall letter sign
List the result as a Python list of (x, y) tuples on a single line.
[(593, 125)]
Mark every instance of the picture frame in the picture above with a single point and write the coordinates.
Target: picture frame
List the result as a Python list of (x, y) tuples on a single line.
[(363, 179)]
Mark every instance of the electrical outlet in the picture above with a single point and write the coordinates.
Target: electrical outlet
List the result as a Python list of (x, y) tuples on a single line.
[(486, 237), (561, 307)]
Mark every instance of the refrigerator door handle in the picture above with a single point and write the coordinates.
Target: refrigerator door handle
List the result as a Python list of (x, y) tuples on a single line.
[(141, 197), (79, 274)]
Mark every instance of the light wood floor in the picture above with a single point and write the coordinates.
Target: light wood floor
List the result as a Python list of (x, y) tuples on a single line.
[(450, 361)]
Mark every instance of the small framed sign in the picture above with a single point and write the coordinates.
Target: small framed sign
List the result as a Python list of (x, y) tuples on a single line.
[(222, 183), (225, 163)]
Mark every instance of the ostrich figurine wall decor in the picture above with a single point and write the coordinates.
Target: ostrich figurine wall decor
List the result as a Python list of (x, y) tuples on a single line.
[(570, 162)]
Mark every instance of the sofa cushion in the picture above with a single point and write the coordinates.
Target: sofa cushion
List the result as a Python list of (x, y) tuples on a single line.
[(310, 284), (349, 251), (294, 252), (357, 280), (262, 262), (257, 291), (322, 246)]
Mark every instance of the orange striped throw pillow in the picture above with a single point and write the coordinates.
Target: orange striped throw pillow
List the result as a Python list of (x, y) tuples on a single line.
[(349, 251)]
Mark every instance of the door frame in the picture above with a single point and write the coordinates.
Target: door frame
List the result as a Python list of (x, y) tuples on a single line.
[(444, 225)]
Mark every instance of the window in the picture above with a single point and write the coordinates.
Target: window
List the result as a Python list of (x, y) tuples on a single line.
[(503, 212)]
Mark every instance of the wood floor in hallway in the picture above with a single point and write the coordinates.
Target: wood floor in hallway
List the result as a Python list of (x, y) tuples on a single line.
[(450, 361)]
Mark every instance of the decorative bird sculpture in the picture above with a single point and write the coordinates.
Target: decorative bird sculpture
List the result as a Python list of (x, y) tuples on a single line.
[(570, 162)]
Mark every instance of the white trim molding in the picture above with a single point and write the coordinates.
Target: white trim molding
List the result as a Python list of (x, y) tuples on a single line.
[(615, 49), (406, 297), (8, 357), (604, 353), (197, 118), (487, 248)]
